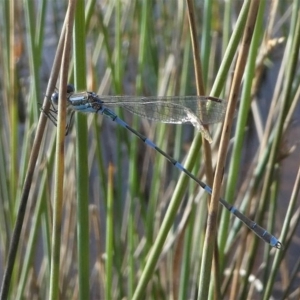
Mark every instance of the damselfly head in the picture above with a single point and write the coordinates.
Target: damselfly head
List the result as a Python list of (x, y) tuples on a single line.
[(70, 90)]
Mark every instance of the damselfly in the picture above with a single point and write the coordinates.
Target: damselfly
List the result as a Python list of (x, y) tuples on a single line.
[(189, 109)]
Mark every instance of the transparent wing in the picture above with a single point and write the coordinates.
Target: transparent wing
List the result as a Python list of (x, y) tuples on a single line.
[(187, 109)]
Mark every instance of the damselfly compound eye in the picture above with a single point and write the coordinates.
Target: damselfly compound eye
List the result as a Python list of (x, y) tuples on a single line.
[(70, 88), (54, 98)]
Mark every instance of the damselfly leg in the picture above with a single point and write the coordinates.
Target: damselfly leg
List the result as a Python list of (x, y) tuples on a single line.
[(52, 113)]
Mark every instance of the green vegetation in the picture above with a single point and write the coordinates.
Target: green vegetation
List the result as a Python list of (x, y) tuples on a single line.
[(121, 221)]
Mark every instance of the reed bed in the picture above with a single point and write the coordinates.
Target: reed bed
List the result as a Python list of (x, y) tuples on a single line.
[(97, 214)]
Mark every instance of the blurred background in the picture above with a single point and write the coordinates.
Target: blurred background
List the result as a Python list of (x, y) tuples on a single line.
[(143, 48)]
